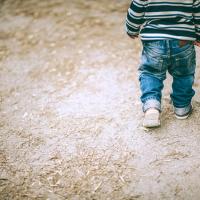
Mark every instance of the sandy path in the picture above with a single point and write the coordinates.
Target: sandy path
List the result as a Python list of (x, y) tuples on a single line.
[(70, 116)]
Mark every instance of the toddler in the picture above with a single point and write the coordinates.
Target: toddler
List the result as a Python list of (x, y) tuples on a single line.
[(168, 29)]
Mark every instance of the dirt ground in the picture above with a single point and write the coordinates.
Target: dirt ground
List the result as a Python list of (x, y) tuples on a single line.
[(70, 114)]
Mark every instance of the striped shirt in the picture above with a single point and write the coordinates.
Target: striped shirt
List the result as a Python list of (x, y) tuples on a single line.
[(164, 19)]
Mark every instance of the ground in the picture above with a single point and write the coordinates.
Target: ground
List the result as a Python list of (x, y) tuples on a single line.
[(70, 114)]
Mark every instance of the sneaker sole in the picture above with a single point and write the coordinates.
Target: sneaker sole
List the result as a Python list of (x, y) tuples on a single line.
[(181, 117), (151, 124)]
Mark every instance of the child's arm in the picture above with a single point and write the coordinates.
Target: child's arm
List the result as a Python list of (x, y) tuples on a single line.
[(135, 18), (196, 15)]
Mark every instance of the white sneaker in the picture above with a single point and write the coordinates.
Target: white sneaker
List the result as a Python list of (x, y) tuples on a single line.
[(151, 118)]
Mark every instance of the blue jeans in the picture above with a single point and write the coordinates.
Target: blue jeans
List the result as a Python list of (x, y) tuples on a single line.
[(161, 56)]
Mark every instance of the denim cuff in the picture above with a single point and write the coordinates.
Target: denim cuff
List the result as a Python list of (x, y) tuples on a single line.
[(152, 103)]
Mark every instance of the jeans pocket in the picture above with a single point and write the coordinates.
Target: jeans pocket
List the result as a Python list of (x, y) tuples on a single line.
[(151, 62), (184, 63)]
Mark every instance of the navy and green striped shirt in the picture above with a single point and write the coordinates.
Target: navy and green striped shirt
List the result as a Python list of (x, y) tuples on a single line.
[(164, 19)]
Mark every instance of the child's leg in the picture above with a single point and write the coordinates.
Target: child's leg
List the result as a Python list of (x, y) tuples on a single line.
[(182, 90), (183, 70), (182, 96), (151, 88), (152, 74)]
